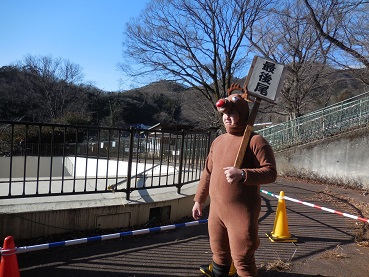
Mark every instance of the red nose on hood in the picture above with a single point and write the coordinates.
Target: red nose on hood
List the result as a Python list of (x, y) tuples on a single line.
[(220, 103), (224, 104)]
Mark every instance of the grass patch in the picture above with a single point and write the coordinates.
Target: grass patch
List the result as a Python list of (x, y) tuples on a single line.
[(276, 265), (336, 253)]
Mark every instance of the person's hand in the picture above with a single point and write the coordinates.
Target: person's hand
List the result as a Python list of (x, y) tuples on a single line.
[(197, 210), (233, 174)]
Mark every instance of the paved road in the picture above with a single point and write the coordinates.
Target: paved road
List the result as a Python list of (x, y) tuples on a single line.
[(325, 244)]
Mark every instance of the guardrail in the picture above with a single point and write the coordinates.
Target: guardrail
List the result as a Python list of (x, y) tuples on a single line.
[(344, 116), (53, 159)]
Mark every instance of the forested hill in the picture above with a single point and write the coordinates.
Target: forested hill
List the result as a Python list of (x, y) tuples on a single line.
[(26, 96), (161, 102)]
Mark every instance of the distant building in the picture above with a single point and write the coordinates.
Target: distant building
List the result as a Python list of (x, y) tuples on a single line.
[(169, 127)]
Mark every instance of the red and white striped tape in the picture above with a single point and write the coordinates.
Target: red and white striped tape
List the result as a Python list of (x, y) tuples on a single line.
[(318, 207)]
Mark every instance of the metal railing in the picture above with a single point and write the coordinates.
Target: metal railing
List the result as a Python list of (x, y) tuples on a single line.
[(344, 116), (52, 159)]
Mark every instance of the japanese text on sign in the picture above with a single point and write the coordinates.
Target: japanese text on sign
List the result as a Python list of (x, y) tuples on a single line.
[(265, 79)]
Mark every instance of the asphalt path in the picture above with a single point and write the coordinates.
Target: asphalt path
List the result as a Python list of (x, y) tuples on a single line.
[(326, 243)]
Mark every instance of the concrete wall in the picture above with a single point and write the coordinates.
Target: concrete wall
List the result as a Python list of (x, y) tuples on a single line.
[(32, 217), (32, 163), (341, 159), (73, 166), (43, 216)]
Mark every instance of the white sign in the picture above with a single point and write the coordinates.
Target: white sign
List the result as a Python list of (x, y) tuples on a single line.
[(265, 79)]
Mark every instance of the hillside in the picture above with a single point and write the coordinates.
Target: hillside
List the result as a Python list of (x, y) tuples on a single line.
[(29, 98), (193, 108)]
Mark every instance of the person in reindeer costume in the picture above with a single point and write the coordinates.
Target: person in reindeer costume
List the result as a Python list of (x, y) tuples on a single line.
[(234, 192)]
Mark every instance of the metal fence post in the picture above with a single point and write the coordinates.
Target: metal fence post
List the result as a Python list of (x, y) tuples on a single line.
[(181, 157), (209, 141), (130, 158)]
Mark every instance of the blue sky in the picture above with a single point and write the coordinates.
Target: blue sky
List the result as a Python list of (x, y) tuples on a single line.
[(85, 32)]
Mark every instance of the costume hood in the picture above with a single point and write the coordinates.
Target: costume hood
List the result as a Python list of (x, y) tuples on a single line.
[(238, 102)]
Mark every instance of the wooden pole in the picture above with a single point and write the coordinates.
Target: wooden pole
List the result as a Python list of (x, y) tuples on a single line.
[(247, 133)]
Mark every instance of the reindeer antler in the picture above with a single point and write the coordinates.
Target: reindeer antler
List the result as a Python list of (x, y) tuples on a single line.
[(244, 95)]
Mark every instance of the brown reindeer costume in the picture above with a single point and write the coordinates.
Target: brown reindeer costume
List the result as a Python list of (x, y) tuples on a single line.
[(235, 208)]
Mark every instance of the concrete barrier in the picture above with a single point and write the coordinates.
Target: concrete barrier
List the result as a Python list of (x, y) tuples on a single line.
[(32, 217), (43, 216), (341, 159)]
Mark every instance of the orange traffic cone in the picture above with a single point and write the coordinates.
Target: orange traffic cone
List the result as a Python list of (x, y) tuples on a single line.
[(9, 263), (280, 231)]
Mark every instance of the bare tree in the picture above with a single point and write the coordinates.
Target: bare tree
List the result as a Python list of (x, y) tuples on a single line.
[(200, 43), (346, 25), (291, 41), (53, 82)]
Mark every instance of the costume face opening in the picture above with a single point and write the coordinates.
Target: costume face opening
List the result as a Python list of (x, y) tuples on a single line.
[(231, 117), (237, 103)]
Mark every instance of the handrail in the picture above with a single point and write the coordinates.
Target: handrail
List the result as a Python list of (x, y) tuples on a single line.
[(343, 116)]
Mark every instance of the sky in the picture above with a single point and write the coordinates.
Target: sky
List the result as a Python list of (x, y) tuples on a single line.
[(85, 32)]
